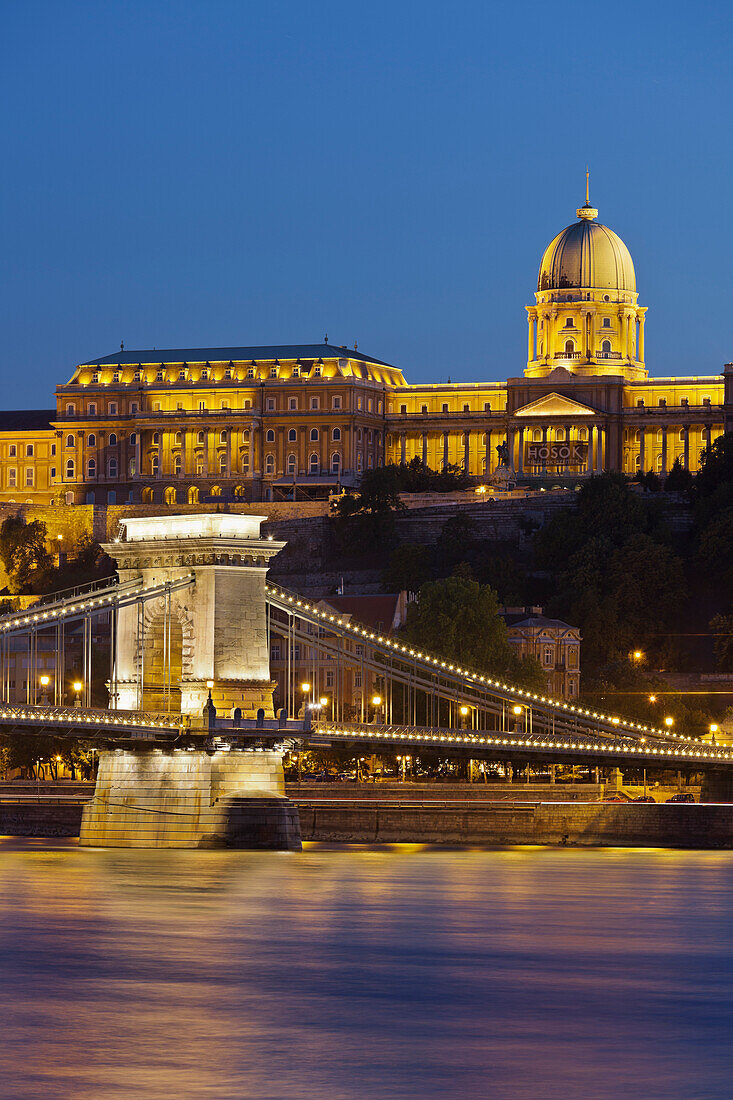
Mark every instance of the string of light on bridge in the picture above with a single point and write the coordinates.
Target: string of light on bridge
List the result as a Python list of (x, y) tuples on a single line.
[(478, 678)]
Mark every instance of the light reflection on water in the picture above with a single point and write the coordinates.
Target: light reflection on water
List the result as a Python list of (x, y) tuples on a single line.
[(356, 973)]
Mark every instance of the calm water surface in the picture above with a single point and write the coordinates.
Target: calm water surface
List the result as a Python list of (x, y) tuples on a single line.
[(360, 973)]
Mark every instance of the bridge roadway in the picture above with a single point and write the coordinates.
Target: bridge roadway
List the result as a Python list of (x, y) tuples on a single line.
[(584, 747)]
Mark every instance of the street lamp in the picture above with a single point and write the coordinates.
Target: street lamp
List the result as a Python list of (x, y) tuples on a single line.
[(376, 703), (637, 656), (669, 722), (45, 681), (463, 711), (652, 698), (713, 730), (77, 685), (517, 712), (305, 688)]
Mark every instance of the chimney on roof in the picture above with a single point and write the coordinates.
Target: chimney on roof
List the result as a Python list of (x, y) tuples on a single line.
[(325, 339), (356, 346), (122, 345)]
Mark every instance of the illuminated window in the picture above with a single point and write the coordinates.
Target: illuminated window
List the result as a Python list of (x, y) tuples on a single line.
[(250, 372), (154, 465), (116, 376), (95, 377), (273, 372), (296, 372), (318, 371), (359, 463), (222, 464), (136, 376), (204, 374), (177, 465), (156, 406), (181, 375)]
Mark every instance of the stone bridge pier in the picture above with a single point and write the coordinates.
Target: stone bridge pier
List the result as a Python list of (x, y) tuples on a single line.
[(212, 632)]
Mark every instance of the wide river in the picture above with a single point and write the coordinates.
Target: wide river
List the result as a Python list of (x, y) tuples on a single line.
[(360, 973)]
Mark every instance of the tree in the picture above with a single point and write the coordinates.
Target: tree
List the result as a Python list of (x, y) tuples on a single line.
[(716, 466), (722, 629), (459, 619), (23, 551), (678, 480), (409, 568)]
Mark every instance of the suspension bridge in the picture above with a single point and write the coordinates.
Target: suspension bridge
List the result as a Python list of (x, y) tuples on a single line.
[(191, 623)]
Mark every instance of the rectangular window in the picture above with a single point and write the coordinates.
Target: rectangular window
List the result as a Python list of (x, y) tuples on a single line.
[(29, 450), (156, 406), (358, 403), (250, 372), (113, 408), (445, 407), (337, 402), (273, 372), (92, 408), (487, 406), (247, 403), (314, 403), (199, 468), (270, 404), (329, 678), (292, 404), (13, 451), (318, 371), (275, 652), (133, 408), (370, 405), (202, 406), (53, 472), (225, 404), (12, 478), (357, 679), (29, 475)]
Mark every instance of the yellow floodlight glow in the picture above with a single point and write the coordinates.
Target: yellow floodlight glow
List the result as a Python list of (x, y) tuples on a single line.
[(305, 687), (376, 701), (668, 721), (517, 709), (78, 685), (46, 680), (464, 711)]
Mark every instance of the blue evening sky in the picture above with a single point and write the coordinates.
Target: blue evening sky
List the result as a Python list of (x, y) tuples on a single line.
[(213, 172)]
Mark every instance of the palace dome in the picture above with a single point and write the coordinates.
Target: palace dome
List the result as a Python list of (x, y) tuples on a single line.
[(589, 255)]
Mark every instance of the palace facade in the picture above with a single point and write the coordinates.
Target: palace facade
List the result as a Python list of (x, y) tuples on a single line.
[(293, 422)]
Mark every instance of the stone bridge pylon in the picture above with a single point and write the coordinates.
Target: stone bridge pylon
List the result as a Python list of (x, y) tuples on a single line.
[(210, 632)]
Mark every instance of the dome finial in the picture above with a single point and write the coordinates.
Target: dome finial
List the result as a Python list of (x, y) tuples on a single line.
[(587, 212)]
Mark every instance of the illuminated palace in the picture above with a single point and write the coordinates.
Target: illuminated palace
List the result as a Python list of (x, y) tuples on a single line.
[(292, 422)]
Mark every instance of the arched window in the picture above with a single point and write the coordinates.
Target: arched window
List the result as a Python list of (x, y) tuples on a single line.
[(91, 468), (223, 436), (154, 465), (582, 434), (245, 436), (70, 468), (201, 439), (336, 434), (559, 434), (133, 439), (270, 464), (359, 463), (177, 465), (637, 436), (156, 438), (216, 490), (292, 436), (92, 440), (313, 463), (569, 323), (606, 322), (222, 464), (335, 462), (170, 495), (569, 347), (113, 467), (314, 435), (270, 437), (147, 495), (660, 435), (292, 464), (537, 435), (69, 441), (179, 438), (70, 410), (682, 435), (113, 439), (111, 496), (193, 495), (68, 498), (606, 346)]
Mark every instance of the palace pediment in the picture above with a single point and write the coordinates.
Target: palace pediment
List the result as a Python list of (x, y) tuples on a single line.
[(554, 404)]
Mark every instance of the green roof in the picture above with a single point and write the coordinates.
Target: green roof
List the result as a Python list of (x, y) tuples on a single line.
[(234, 355)]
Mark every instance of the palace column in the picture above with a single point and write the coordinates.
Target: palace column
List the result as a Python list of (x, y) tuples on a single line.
[(686, 458), (544, 444), (599, 449), (424, 448), (531, 337), (445, 450), (138, 455), (467, 452), (641, 451), (403, 448), (487, 460), (161, 454), (229, 453), (708, 435), (664, 449), (520, 453), (589, 460), (640, 354), (183, 452), (510, 446)]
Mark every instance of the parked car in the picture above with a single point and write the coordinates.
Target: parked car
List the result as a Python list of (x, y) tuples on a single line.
[(645, 798), (682, 796)]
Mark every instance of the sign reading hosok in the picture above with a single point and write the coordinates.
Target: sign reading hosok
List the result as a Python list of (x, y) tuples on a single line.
[(555, 454)]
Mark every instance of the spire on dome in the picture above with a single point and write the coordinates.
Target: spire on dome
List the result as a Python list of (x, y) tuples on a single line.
[(587, 212)]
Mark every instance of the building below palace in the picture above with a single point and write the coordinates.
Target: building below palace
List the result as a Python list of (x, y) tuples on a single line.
[(555, 644), (296, 421)]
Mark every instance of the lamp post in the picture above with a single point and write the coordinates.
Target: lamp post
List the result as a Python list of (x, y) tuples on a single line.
[(517, 712), (463, 710), (77, 685), (45, 681), (305, 689), (376, 704), (713, 730)]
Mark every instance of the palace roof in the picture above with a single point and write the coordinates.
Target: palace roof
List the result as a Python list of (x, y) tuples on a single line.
[(266, 353), (26, 420)]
